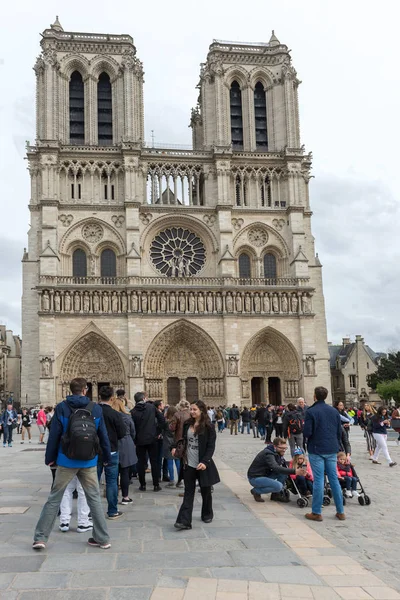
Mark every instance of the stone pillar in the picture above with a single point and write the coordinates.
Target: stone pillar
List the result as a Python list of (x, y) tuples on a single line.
[(182, 383)]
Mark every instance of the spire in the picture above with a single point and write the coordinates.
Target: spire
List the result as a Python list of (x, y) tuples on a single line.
[(274, 40), (57, 25)]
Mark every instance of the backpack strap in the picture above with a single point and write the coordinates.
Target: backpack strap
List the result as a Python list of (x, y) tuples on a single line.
[(89, 407)]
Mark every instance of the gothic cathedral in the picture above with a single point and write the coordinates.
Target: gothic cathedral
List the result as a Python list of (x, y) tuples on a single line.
[(185, 272)]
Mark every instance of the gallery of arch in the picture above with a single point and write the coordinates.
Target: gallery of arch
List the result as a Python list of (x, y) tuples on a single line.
[(185, 272)]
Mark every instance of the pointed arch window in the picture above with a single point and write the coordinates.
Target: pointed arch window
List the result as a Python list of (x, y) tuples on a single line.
[(79, 263), (108, 263), (76, 109), (244, 266), (260, 116), (265, 191), (104, 110), (241, 190), (269, 266), (236, 116)]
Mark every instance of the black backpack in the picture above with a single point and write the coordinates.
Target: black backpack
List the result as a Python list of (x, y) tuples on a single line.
[(80, 441), (295, 425)]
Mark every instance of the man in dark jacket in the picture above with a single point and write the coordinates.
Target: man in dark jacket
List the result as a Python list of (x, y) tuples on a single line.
[(116, 431), (268, 472), (147, 419), (245, 414), (323, 434), (67, 468), (260, 420), (234, 416), (293, 427)]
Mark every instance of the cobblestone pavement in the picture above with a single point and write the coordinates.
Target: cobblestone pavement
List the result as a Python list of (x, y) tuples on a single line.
[(249, 552), (370, 535)]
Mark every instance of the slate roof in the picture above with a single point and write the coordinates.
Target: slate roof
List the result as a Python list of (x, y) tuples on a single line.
[(343, 352)]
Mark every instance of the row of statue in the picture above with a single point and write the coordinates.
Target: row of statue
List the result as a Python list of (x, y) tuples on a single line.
[(210, 388), (176, 302)]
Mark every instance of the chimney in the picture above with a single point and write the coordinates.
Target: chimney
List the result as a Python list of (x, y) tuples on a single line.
[(360, 339), (346, 341)]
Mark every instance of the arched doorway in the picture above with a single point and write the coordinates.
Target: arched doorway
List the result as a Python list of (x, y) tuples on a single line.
[(270, 369), (184, 358), (97, 360)]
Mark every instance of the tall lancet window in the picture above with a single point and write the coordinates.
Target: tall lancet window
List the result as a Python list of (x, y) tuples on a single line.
[(260, 115), (76, 109), (104, 110), (236, 116)]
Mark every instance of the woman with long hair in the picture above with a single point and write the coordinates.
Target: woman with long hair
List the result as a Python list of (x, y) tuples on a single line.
[(366, 424), (199, 445), (168, 442), (278, 422), (126, 449), (380, 423)]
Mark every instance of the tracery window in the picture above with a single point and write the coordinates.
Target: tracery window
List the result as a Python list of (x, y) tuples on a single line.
[(265, 191), (236, 116), (177, 252), (76, 109), (104, 110), (241, 190), (269, 266), (79, 263), (244, 266), (108, 263), (260, 117)]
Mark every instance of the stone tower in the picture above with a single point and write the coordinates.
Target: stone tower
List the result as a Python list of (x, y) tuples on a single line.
[(188, 273)]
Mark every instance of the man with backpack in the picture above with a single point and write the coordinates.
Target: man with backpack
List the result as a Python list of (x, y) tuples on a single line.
[(293, 428), (76, 435)]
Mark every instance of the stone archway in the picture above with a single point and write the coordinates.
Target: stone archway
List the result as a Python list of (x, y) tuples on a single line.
[(270, 368), (96, 359), (184, 351)]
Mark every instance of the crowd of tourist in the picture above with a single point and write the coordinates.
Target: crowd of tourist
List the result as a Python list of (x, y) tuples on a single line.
[(121, 442)]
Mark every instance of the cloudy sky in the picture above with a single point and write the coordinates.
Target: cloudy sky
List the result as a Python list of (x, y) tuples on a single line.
[(346, 54)]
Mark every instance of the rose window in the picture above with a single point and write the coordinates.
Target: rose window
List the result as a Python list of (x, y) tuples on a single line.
[(177, 252), (92, 232)]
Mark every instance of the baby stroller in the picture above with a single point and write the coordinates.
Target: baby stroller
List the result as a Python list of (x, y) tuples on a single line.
[(302, 501), (363, 499)]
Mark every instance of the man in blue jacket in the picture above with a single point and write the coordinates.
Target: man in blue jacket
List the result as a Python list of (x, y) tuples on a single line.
[(9, 421), (67, 468), (323, 432)]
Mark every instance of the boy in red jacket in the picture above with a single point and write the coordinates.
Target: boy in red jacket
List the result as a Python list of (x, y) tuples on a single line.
[(347, 476)]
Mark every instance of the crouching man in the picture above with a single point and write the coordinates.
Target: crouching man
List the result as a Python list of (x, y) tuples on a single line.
[(268, 472)]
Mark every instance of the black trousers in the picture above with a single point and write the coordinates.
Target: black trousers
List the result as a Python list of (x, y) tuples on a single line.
[(124, 481), (152, 451), (185, 512), (279, 429)]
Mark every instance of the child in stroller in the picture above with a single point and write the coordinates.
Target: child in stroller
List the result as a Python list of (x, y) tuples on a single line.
[(301, 485), (347, 476)]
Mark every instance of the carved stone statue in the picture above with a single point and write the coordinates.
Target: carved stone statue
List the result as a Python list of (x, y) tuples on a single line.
[(124, 303), (232, 365), (247, 303), (77, 302), (192, 303), (229, 303), (92, 265), (86, 302), (306, 304), (275, 303), (57, 302), (134, 302), (284, 303), (136, 366), (163, 302), (45, 301), (114, 302), (172, 303), (144, 302), (239, 303), (153, 303), (67, 302), (106, 302), (266, 303), (257, 303), (200, 303), (310, 365), (181, 266), (245, 389), (182, 303), (46, 367), (218, 303), (295, 303), (210, 303), (96, 302)]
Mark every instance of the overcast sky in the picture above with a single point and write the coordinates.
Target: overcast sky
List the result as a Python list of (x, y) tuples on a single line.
[(346, 54)]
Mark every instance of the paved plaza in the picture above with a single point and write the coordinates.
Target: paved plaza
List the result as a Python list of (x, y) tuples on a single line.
[(250, 552)]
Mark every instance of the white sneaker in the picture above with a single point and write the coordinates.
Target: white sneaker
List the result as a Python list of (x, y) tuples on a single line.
[(84, 528), (64, 527), (355, 494), (348, 494)]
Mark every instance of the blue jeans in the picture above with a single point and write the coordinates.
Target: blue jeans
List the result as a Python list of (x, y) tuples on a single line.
[(268, 485), (261, 430), (7, 433), (321, 464), (111, 473), (350, 483), (247, 425), (171, 462)]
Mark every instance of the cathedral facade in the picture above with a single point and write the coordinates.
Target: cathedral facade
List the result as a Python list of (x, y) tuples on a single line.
[(187, 273)]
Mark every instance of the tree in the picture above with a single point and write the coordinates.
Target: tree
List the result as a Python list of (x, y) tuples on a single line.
[(388, 370), (389, 390)]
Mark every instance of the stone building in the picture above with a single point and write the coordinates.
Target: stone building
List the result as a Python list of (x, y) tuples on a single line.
[(351, 363), (185, 272), (10, 366)]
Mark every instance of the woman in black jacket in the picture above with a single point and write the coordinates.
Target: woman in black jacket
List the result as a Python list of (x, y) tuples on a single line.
[(199, 441)]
